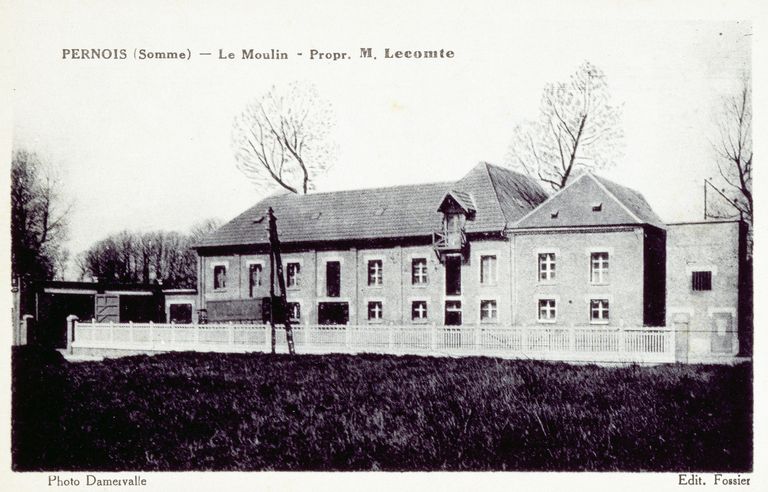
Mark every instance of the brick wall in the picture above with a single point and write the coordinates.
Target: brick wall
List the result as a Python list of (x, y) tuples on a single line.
[(396, 293), (572, 288)]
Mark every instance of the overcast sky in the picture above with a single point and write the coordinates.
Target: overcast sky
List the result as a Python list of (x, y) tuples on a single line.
[(146, 145)]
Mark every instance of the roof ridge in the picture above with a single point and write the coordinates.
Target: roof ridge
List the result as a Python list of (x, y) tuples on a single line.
[(495, 192), (550, 197), (350, 190)]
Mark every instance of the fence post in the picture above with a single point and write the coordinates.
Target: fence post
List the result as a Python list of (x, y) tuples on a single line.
[(267, 339), (621, 341), (572, 338), (112, 332), (389, 338), (524, 340), (130, 331), (347, 328), (71, 320), (231, 334), (477, 338), (433, 337), (28, 331)]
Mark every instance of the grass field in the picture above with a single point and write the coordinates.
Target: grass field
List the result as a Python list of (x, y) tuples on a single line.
[(196, 411)]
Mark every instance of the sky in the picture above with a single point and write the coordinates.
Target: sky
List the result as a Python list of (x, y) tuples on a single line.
[(146, 145)]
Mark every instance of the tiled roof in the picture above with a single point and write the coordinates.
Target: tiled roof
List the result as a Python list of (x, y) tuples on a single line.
[(633, 200), (573, 206), (393, 212)]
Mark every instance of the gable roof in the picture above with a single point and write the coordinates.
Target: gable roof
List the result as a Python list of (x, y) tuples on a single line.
[(462, 199), (378, 213), (573, 206)]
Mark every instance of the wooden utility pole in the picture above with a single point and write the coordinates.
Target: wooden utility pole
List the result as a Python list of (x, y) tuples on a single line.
[(276, 263)]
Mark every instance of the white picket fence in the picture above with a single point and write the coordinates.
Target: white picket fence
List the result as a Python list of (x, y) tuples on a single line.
[(573, 343)]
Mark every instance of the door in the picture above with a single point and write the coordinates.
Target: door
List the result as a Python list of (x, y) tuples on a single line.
[(107, 308), (452, 338), (453, 275), (681, 322), (722, 333), (333, 278)]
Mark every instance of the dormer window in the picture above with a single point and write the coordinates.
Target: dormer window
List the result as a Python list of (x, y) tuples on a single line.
[(554, 214), (597, 207), (456, 207)]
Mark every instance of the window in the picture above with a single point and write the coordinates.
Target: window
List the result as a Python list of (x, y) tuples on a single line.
[(180, 312), (419, 310), (419, 271), (547, 310), (546, 267), (294, 312), (333, 279), (293, 274), (375, 310), (488, 311), (374, 272), (254, 277), (488, 270), (598, 311), (219, 277), (701, 280), (453, 313), (597, 207), (599, 268)]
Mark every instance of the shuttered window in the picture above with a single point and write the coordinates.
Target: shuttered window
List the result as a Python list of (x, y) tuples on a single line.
[(701, 280)]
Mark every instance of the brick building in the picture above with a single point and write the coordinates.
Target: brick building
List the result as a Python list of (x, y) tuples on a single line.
[(490, 248)]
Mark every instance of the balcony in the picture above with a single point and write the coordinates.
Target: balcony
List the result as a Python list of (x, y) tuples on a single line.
[(449, 242)]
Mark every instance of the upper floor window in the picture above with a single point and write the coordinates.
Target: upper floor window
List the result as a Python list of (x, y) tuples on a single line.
[(488, 311), (419, 271), (488, 269), (254, 277), (546, 267), (219, 277), (375, 310), (547, 310), (598, 311), (333, 278), (419, 310), (375, 272), (599, 268), (701, 280), (293, 275)]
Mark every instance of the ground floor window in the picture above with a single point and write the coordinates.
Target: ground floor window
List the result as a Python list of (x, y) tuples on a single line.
[(598, 311), (453, 313), (419, 310), (547, 310), (294, 312), (489, 312), (375, 311), (333, 313), (180, 312)]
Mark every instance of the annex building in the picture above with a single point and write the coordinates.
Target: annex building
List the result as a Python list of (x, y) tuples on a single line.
[(489, 249)]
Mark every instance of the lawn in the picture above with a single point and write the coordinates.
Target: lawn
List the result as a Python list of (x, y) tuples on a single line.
[(202, 411)]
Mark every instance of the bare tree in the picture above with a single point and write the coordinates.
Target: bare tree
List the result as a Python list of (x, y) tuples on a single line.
[(281, 139), (156, 256), (203, 228), (578, 129), (733, 148)]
